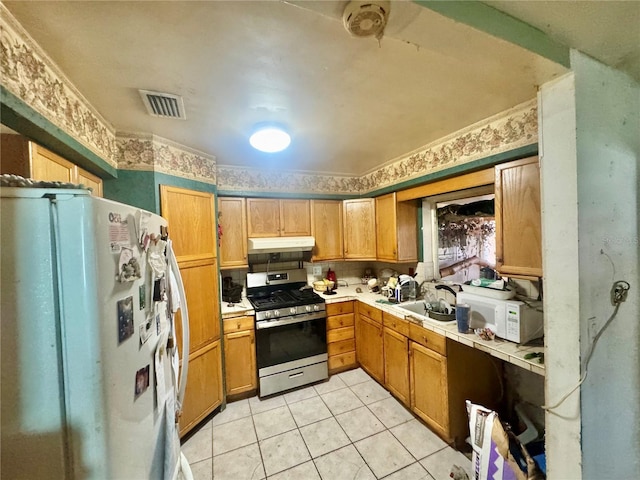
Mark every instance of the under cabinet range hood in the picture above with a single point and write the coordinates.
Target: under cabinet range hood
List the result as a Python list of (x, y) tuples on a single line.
[(281, 244)]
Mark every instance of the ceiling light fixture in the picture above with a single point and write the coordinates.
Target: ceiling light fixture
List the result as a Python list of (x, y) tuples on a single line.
[(270, 139)]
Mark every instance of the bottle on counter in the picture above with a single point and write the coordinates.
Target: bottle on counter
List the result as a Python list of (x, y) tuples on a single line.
[(398, 293)]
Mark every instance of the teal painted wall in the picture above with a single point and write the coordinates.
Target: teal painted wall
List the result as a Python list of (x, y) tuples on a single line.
[(142, 189)]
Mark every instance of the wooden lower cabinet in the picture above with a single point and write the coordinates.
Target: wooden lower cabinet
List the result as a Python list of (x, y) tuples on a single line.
[(204, 386), (396, 364), (369, 341), (429, 388), (443, 375), (240, 355), (341, 344)]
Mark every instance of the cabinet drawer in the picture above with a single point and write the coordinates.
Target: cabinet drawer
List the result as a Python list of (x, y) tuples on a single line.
[(237, 324), (338, 321), (343, 346), (342, 361), (372, 312), (428, 339), (397, 324), (339, 308), (339, 334)]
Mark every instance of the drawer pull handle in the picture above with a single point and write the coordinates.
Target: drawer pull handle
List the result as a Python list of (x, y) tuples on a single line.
[(424, 339), (295, 375)]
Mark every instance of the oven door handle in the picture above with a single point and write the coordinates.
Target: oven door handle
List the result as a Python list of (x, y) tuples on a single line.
[(289, 320)]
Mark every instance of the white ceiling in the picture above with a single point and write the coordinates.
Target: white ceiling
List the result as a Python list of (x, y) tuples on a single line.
[(351, 104)]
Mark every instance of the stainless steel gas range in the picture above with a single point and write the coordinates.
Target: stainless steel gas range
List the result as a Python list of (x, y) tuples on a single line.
[(291, 330)]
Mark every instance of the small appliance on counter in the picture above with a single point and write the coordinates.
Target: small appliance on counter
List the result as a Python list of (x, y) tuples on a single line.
[(512, 320), (231, 292)]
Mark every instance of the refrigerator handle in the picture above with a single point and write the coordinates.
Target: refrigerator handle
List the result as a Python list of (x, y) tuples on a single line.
[(182, 384)]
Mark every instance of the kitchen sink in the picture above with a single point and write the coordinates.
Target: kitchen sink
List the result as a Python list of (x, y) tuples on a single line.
[(417, 309)]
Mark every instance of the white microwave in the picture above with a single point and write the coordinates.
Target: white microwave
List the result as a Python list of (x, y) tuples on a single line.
[(510, 319)]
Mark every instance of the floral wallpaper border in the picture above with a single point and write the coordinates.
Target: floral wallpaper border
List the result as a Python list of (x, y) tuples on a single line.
[(243, 179), (508, 130), (28, 73), (140, 151)]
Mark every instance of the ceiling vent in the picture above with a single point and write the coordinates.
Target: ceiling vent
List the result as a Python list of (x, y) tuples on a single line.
[(165, 105), (365, 19)]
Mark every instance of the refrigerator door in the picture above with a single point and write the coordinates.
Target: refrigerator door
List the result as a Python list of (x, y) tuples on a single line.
[(85, 375), (111, 333), (33, 431)]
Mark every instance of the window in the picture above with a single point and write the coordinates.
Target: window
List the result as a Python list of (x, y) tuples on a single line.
[(459, 234)]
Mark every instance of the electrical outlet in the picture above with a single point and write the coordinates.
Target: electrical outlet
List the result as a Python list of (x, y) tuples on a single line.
[(317, 270)]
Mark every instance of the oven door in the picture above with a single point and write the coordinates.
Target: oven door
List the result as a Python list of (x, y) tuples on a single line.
[(288, 339)]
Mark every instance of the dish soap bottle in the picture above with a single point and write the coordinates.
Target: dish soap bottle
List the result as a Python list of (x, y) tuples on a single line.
[(331, 276), (398, 293)]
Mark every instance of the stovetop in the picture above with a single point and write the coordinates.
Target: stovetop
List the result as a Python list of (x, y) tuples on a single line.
[(283, 298)]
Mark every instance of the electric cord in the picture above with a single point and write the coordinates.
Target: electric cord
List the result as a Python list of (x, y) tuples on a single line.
[(618, 295)]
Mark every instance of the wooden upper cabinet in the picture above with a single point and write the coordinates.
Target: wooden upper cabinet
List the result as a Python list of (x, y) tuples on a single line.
[(90, 180), (192, 225), (46, 165), (359, 223), (270, 217), (30, 160), (518, 218), (232, 216), (295, 218), (397, 229), (326, 228), (263, 217)]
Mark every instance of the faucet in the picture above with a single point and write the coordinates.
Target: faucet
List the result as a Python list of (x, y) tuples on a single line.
[(343, 281)]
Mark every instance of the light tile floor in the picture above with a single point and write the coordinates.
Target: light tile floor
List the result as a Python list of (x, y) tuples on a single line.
[(346, 428)]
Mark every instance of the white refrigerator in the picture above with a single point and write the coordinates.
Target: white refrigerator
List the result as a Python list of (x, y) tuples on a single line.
[(90, 385)]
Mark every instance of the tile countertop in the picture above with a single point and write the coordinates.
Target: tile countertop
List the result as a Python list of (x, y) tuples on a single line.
[(508, 351), (237, 309)]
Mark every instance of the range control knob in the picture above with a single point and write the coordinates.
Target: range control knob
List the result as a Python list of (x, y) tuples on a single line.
[(293, 310), (267, 314), (316, 308), (307, 308), (276, 313)]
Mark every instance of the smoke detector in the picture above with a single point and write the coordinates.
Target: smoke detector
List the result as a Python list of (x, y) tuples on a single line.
[(366, 18)]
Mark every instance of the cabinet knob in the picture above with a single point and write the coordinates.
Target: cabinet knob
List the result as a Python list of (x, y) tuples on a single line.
[(424, 339)]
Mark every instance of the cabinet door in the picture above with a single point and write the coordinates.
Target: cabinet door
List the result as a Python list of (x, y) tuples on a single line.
[(204, 387), (326, 228), (396, 364), (191, 218), (263, 217), (90, 180), (369, 347), (295, 218), (201, 291), (387, 241), (407, 231), (240, 361), (429, 393), (359, 223), (518, 218), (48, 166), (232, 216)]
